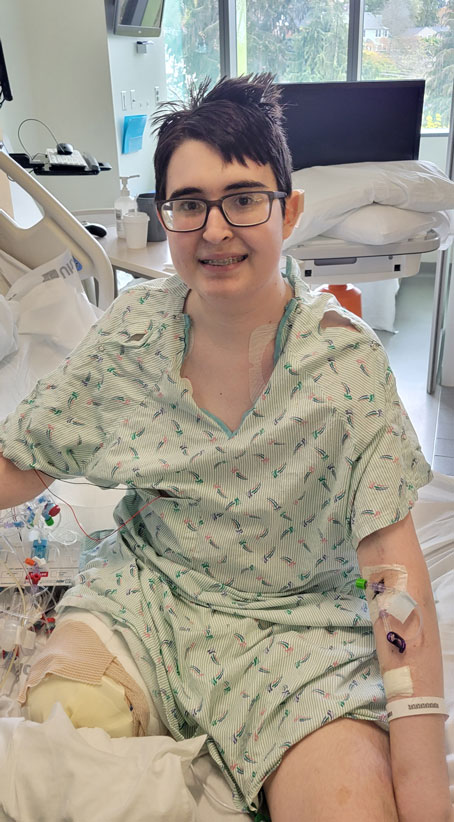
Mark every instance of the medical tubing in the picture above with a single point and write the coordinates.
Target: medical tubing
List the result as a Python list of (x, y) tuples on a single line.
[(21, 592), (26, 572), (114, 531), (40, 599), (14, 656)]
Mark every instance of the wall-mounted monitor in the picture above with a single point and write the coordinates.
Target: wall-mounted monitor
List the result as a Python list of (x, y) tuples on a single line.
[(358, 122), (138, 18)]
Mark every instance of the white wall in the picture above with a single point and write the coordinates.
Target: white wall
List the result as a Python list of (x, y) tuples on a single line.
[(433, 147), (145, 73), (65, 70)]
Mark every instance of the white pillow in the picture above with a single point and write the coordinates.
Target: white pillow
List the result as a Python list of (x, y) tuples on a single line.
[(381, 224), (331, 192)]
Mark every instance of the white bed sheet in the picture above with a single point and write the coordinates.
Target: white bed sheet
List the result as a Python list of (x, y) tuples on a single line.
[(434, 518)]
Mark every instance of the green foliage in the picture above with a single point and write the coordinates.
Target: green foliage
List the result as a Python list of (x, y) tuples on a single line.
[(426, 13), (306, 41), (191, 31), (373, 6), (440, 78), (396, 16), (294, 39), (433, 122), (376, 65), (319, 48)]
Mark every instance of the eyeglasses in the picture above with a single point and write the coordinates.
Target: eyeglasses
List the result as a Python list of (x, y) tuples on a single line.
[(244, 209)]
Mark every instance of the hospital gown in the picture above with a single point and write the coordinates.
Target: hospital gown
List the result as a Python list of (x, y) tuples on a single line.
[(234, 586)]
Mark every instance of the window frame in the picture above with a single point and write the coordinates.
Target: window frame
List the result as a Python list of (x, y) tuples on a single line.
[(227, 38)]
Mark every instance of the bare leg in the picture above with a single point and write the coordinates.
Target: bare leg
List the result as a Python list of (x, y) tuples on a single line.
[(341, 772)]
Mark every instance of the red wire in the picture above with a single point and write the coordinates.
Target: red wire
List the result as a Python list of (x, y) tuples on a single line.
[(75, 517)]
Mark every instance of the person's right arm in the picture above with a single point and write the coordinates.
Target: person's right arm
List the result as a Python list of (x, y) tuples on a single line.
[(18, 486)]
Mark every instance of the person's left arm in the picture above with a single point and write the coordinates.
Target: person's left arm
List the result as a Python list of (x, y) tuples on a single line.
[(418, 756)]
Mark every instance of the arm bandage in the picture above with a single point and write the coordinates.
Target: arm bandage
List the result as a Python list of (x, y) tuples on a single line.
[(417, 705)]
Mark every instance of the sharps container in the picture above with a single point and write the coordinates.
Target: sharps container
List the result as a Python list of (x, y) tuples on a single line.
[(146, 203)]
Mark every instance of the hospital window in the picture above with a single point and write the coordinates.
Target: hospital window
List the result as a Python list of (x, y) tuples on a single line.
[(417, 40), (314, 41)]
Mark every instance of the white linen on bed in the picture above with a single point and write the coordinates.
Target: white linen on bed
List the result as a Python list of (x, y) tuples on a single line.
[(60, 314), (381, 224), (51, 771), (331, 192)]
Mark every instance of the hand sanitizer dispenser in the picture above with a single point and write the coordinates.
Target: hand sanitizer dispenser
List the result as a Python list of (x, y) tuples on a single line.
[(123, 204)]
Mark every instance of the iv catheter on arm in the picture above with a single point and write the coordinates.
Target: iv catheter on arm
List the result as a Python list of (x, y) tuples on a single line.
[(390, 559)]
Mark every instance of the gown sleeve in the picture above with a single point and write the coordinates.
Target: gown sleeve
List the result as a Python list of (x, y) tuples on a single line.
[(67, 423), (390, 467)]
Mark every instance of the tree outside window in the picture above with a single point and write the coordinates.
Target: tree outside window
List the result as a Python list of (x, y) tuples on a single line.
[(417, 41), (191, 35), (307, 41)]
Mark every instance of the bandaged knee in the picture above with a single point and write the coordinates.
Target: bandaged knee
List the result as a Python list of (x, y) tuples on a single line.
[(88, 706), (76, 669)]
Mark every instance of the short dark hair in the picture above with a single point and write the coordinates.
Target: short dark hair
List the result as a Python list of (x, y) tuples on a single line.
[(241, 118)]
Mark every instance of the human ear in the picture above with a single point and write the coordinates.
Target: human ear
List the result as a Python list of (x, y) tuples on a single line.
[(294, 207)]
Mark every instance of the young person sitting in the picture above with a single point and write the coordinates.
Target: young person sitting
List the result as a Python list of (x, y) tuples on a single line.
[(269, 465)]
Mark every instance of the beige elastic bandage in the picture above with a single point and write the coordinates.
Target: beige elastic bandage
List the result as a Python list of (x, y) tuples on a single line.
[(398, 682), (75, 652)]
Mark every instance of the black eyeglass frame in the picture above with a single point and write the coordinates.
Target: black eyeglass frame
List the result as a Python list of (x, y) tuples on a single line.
[(272, 195)]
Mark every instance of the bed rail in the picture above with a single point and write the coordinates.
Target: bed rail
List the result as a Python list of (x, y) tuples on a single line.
[(56, 231)]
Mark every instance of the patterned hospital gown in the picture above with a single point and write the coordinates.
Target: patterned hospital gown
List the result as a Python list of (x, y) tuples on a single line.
[(234, 586)]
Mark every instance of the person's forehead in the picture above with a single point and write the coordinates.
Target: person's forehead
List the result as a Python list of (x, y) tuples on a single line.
[(199, 166)]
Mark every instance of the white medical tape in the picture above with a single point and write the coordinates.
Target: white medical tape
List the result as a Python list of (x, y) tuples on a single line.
[(418, 705), (396, 577), (398, 682), (401, 605)]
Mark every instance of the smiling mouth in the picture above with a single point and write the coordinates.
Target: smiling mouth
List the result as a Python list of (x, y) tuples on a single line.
[(225, 260)]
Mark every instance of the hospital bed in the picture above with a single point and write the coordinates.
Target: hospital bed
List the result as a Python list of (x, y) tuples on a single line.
[(37, 758), (370, 206)]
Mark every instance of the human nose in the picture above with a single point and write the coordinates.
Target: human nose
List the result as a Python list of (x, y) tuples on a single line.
[(216, 227)]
